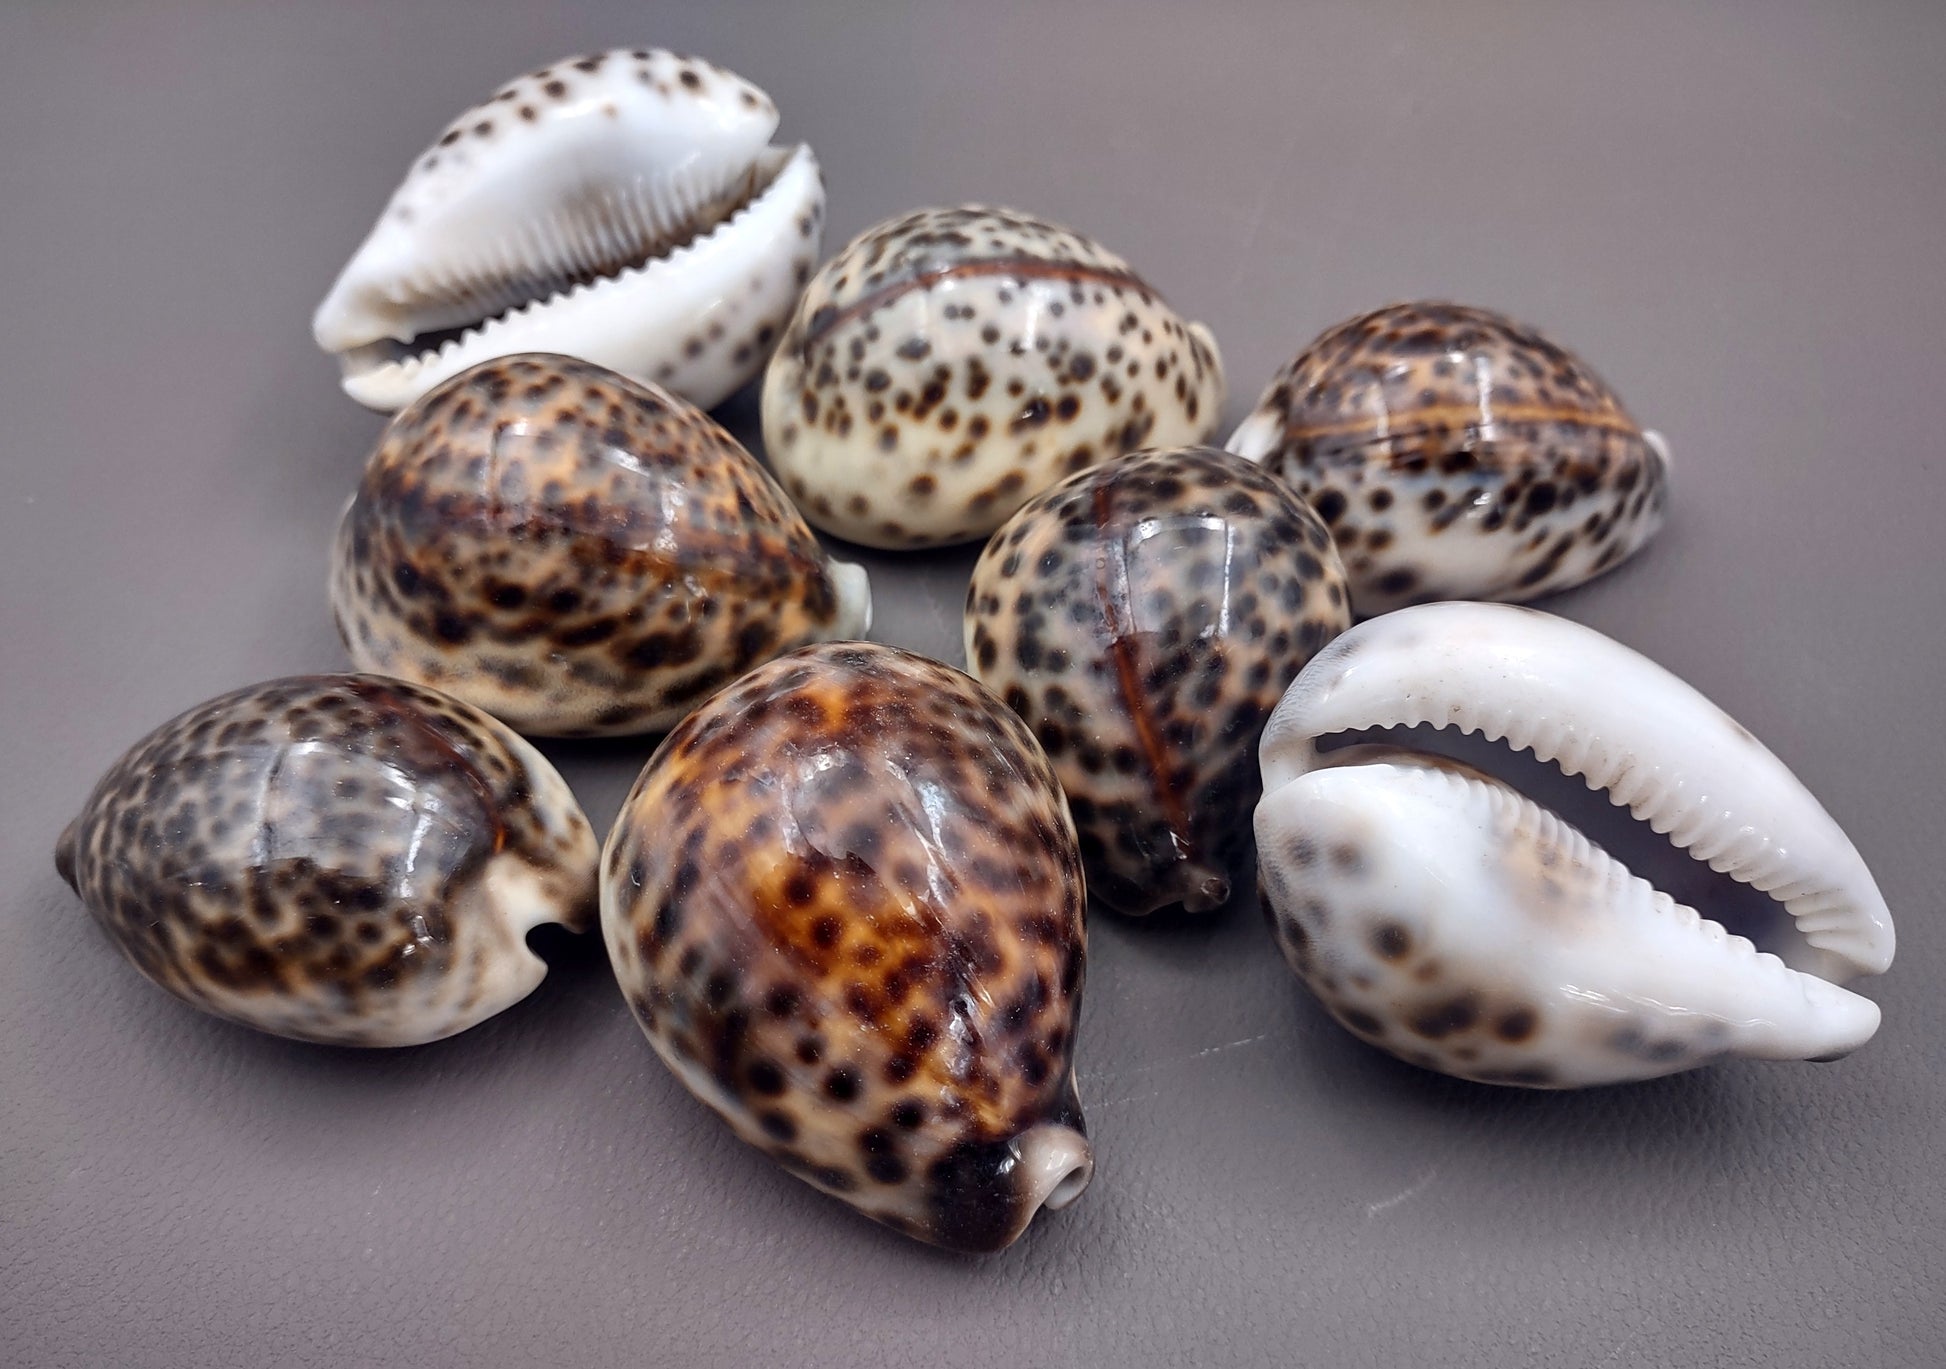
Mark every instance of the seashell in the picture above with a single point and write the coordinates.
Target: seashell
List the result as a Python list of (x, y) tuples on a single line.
[(950, 364), (1456, 454), (576, 553), (1455, 923), (845, 904), (626, 208), (1144, 617), (334, 858)]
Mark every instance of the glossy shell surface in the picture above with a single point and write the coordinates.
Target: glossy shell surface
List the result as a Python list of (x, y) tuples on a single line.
[(626, 207), (1456, 923), (576, 553), (845, 903), (1144, 617), (335, 858), (1457, 454), (949, 364)]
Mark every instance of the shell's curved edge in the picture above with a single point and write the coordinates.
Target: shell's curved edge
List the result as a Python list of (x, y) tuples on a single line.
[(700, 321), (1602, 711), (1256, 437), (1659, 444), (1221, 386), (854, 586), (1446, 918)]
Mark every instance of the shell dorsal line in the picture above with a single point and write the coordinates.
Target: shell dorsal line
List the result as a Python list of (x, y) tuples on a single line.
[(1014, 266), (1113, 590)]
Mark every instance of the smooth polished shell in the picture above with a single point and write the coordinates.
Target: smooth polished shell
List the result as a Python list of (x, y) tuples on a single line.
[(335, 858), (576, 553), (626, 207), (1512, 949), (1144, 617), (1457, 454), (845, 903), (950, 364)]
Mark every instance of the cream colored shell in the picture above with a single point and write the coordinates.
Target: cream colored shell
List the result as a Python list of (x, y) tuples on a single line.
[(950, 364)]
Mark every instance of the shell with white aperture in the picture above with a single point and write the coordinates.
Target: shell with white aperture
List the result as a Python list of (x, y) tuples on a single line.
[(1444, 917), (626, 208)]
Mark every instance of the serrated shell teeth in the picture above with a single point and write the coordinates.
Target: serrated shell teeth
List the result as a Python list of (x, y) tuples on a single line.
[(582, 176), (1629, 727), (1445, 917)]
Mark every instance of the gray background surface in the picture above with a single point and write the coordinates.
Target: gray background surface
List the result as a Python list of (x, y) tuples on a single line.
[(1734, 212)]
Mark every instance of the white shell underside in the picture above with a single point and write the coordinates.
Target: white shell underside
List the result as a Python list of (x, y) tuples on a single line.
[(675, 320), (1459, 924), (626, 209), (1378, 864), (1610, 715)]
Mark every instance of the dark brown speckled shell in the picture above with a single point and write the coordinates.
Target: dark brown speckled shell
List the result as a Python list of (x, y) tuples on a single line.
[(949, 364), (1144, 618), (1457, 454), (845, 903), (577, 553), (335, 858)]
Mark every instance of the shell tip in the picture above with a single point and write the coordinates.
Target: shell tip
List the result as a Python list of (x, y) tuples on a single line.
[(854, 586), (1056, 1164), (1208, 891), (64, 855), (1256, 437), (1657, 444)]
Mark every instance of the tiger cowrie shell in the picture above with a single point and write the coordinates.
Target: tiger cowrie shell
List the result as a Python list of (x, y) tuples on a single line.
[(949, 364)]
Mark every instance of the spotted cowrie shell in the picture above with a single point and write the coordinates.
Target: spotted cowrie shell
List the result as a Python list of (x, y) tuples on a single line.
[(1457, 454), (1144, 617), (336, 858), (845, 903), (575, 552), (950, 364)]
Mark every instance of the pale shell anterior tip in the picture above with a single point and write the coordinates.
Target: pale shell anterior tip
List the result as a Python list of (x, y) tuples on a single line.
[(854, 588), (1056, 1165)]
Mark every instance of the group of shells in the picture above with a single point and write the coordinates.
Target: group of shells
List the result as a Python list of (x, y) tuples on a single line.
[(845, 898)]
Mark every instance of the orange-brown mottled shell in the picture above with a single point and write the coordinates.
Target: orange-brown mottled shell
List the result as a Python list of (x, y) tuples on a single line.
[(845, 901)]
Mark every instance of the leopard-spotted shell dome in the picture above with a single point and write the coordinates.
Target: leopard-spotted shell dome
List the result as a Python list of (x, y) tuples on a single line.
[(575, 552), (1144, 617), (949, 364), (335, 858), (1457, 454), (845, 903)]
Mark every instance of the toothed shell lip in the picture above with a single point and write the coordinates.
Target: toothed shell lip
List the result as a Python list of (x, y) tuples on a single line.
[(951, 362), (1440, 915), (1555, 688), (700, 320)]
